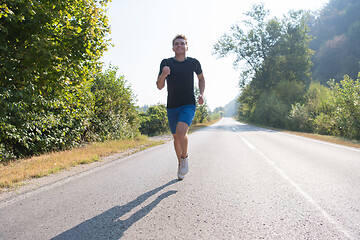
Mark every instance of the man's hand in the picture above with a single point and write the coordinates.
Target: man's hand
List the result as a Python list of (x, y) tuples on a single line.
[(201, 99), (166, 71), (160, 83)]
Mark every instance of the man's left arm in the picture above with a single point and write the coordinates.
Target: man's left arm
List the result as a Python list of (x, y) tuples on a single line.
[(201, 87)]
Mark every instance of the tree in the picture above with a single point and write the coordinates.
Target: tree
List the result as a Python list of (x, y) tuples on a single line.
[(49, 56), (51, 44), (273, 51)]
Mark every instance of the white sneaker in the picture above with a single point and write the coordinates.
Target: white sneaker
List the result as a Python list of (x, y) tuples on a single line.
[(183, 168)]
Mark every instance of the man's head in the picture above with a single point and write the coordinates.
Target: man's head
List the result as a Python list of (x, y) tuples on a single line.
[(179, 36), (180, 45)]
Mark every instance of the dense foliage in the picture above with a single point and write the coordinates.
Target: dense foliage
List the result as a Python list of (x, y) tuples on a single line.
[(276, 84), (114, 115), (331, 111), (50, 44), (336, 31), (100, 110), (154, 120), (53, 94)]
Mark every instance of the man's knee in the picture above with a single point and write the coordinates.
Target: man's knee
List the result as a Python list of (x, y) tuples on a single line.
[(175, 137), (181, 129)]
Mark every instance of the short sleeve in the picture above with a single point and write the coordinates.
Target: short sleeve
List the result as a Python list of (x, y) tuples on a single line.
[(198, 69), (162, 65)]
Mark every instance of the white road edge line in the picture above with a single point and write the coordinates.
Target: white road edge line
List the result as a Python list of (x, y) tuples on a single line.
[(307, 138), (323, 142), (302, 192)]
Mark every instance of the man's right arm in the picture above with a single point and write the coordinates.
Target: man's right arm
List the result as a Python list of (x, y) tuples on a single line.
[(160, 83)]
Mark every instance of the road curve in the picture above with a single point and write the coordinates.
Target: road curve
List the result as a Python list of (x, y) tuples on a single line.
[(244, 182)]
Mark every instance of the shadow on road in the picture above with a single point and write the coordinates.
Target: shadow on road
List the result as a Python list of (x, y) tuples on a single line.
[(107, 225)]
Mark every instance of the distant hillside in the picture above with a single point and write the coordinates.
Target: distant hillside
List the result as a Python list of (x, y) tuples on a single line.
[(231, 108)]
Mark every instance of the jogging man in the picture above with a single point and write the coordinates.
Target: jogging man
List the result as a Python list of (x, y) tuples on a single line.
[(178, 72)]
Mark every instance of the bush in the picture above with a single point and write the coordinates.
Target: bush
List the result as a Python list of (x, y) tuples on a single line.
[(331, 111), (201, 114), (305, 117), (33, 123), (114, 115), (273, 107), (325, 124), (298, 118), (347, 100), (154, 121)]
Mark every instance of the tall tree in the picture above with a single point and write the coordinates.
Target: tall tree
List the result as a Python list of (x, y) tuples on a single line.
[(50, 43), (49, 55), (273, 51)]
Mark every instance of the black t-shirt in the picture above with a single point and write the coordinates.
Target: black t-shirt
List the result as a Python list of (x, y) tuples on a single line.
[(180, 81)]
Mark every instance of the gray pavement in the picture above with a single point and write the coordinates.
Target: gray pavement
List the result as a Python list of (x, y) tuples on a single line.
[(244, 183)]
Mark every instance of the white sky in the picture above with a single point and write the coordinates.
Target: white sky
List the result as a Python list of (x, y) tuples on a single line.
[(142, 31)]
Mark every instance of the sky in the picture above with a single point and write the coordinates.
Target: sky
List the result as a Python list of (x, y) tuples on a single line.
[(142, 33)]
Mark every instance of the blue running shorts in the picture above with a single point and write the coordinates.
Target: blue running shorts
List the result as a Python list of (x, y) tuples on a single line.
[(184, 114)]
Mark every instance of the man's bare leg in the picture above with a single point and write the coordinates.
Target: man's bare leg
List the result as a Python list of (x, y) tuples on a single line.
[(181, 140), (181, 147), (177, 147)]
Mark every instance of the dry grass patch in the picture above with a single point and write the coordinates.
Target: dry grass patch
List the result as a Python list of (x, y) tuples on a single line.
[(14, 173), (198, 126), (325, 138)]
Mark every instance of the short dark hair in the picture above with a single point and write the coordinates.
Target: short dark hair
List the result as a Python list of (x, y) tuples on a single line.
[(179, 36)]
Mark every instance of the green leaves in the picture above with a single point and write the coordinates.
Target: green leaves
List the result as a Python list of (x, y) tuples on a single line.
[(53, 95), (114, 116), (154, 121), (333, 111), (347, 99), (48, 42)]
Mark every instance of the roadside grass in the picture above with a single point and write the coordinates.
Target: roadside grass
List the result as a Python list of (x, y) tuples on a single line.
[(325, 138), (12, 174), (195, 127)]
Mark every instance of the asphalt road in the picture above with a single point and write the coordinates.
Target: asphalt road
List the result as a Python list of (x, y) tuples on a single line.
[(244, 182)]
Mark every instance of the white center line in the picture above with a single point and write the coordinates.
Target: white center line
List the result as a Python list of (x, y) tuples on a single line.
[(248, 144)]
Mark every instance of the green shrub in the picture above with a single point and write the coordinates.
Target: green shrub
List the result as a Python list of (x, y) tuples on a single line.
[(347, 99), (330, 111), (273, 107), (325, 124), (298, 118), (154, 121), (33, 123), (201, 114), (114, 115)]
